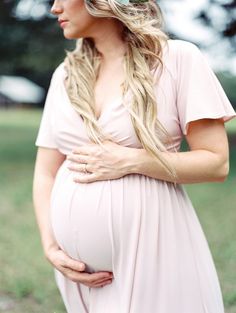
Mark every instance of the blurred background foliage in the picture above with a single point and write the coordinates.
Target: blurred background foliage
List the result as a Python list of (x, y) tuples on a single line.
[(29, 47), (32, 45)]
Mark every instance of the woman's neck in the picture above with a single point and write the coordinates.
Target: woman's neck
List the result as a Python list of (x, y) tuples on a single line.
[(109, 42)]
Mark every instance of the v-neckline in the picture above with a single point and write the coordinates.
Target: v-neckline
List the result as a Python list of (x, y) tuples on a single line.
[(118, 101), (110, 106)]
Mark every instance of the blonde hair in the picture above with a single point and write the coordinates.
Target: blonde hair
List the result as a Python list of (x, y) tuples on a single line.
[(142, 32)]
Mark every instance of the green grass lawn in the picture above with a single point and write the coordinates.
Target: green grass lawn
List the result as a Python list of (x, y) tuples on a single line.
[(231, 126), (27, 279)]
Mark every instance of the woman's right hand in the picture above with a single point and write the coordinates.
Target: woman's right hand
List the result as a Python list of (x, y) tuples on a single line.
[(75, 270)]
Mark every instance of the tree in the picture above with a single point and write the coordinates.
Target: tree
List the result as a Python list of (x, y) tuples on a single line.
[(29, 47), (228, 29), (32, 45)]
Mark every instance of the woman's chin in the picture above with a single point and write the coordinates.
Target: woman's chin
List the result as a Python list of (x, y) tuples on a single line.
[(70, 35)]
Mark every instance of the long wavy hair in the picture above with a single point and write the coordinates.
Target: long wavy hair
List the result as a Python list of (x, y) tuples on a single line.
[(142, 31)]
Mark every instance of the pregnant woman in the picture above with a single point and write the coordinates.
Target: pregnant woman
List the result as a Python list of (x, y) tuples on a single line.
[(114, 218)]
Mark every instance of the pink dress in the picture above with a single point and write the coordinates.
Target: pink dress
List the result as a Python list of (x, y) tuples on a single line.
[(142, 229)]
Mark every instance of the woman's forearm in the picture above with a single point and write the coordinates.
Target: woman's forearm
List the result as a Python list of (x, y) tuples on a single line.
[(48, 161), (42, 188), (207, 160), (191, 166)]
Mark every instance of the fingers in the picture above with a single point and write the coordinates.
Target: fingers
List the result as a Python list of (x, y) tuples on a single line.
[(102, 283), (75, 270), (78, 158), (98, 279), (88, 150), (95, 164), (85, 150), (79, 164), (92, 280), (89, 178), (78, 167), (99, 276), (74, 264), (90, 155), (93, 149), (61, 260)]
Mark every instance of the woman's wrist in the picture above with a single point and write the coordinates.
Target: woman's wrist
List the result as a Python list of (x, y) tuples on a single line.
[(135, 159), (49, 246), (143, 163), (48, 253)]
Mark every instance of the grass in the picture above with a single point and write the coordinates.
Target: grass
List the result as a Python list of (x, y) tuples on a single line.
[(28, 279), (231, 127)]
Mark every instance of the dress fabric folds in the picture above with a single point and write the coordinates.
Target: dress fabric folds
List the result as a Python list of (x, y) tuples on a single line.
[(142, 229)]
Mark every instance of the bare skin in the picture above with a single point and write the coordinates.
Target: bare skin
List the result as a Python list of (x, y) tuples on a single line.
[(107, 36), (47, 164), (208, 158)]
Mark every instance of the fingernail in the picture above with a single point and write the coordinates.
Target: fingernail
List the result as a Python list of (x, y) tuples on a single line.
[(82, 266)]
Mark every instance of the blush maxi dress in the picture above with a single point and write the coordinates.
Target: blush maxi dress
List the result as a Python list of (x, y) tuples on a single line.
[(142, 229)]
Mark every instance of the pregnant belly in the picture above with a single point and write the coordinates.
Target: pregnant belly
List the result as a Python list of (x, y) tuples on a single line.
[(80, 220), (96, 222)]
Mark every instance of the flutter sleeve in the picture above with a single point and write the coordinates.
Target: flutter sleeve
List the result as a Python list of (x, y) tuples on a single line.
[(199, 93), (46, 134)]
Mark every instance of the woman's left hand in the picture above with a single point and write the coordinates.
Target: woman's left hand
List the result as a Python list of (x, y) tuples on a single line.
[(94, 162)]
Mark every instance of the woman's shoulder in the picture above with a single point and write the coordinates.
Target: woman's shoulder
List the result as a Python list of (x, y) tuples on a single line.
[(183, 45), (58, 76), (181, 50), (59, 72), (179, 56)]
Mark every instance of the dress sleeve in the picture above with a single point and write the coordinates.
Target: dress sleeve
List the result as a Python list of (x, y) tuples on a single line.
[(46, 135), (199, 93)]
